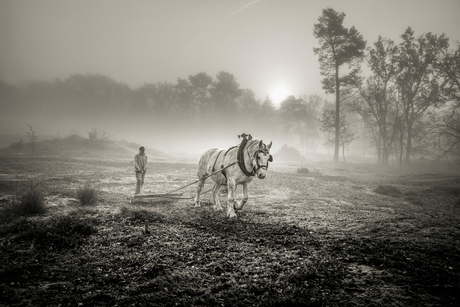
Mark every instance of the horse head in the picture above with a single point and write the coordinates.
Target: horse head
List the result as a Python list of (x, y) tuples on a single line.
[(260, 159)]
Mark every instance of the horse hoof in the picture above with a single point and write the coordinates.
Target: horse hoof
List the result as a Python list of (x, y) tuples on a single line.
[(239, 205)]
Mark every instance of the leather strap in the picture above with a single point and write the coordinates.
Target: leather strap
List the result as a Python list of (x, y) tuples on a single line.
[(240, 159)]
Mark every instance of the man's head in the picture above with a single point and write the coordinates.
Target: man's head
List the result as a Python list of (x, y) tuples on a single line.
[(141, 150)]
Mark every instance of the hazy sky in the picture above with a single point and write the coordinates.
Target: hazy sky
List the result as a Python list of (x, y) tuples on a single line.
[(265, 43)]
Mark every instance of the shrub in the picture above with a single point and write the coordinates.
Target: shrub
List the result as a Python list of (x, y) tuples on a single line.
[(29, 202), (17, 145), (74, 137), (98, 134), (286, 153), (87, 195), (303, 170), (388, 190)]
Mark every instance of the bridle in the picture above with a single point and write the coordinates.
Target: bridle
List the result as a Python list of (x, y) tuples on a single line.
[(244, 151), (256, 157)]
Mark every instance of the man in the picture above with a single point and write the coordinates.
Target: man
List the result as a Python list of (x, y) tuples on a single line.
[(140, 166)]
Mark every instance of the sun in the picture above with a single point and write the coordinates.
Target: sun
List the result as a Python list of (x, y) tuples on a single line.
[(278, 94)]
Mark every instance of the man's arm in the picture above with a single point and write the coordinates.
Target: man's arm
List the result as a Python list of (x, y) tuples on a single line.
[(137, 168), (145, 166)]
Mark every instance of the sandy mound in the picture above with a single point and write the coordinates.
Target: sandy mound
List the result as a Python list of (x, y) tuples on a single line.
[(288, 154)]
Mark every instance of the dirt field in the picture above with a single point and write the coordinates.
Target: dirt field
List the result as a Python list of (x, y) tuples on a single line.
[(321, 238)]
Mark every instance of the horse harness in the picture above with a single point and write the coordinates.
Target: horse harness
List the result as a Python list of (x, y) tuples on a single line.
[(240, 159)]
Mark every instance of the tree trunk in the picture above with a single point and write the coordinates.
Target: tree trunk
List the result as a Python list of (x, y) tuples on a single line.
[(364, 142), (401, 146), (385, 151), (337, 114), (385, 155), (409, 142)]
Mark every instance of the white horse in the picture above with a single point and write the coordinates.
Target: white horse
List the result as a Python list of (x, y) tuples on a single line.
[(240, 166)]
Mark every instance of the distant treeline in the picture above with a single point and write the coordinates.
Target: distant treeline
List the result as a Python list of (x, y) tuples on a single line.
[(220, 103), (198, 97), (199, 101)]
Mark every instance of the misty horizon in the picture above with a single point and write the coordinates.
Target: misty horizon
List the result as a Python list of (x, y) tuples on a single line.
[(265, 43), (145, 53), (156, 131)]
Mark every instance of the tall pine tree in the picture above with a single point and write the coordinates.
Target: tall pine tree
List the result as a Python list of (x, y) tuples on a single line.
[(338, 46)]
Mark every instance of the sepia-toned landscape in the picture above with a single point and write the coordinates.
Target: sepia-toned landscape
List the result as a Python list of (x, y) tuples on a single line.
[(339, 120)]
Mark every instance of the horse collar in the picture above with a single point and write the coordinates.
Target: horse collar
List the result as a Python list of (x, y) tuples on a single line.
[(240, 159)]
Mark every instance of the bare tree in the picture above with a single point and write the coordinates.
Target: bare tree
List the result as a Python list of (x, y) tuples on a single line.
[(346, 135), (381, 104), (448, 131), (418, 80), (448, 64), (447, 124), (32, 137)]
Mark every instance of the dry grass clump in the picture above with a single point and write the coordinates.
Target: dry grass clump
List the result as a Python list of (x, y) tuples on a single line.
[(28, 202), (87, 195)]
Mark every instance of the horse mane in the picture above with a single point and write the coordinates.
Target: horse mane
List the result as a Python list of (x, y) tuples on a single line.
[(252, 142)]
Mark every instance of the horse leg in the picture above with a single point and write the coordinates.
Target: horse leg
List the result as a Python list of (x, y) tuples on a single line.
[(198, 192), (215, 197), (240, 205), (231, 186)]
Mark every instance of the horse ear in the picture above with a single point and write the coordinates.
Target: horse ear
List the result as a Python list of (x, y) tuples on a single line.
[(261, 145), (269, 146)]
